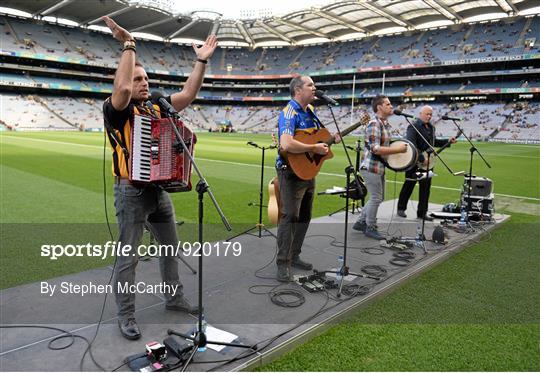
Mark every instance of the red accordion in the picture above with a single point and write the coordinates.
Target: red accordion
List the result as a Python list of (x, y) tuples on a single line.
[(157, 156)]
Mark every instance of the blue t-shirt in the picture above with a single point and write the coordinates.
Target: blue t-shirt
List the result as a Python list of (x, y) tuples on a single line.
[(293, 119)]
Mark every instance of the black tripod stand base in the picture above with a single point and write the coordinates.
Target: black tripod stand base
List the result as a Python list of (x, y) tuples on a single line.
[(260, 234), (199, 340)]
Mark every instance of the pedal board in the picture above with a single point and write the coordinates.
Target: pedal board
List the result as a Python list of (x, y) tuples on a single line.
[(393, 245), (315, 283)]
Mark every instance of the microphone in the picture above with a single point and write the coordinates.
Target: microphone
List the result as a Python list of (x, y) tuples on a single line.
[(399, 112), (329, 100), (158, 98), (252, 144), (446, 117), (150, 108)]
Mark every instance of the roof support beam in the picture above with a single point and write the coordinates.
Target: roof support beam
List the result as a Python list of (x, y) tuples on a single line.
[(182, 29), (46, 11), (115, 13), (382, 12), (438, 5), (300, 27), (274, 31), (339, 20), (505, 4), (245, 33), (152, 24), (215, 28)]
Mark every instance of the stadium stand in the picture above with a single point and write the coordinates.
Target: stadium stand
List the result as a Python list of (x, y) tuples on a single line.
[(506, 37), (489, 117), (32, 113)]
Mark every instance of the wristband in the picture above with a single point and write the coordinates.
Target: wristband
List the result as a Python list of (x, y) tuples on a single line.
[(202, 61), (129, 43)]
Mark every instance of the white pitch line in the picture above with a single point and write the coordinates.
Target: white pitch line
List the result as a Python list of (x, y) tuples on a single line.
[(268, 167)]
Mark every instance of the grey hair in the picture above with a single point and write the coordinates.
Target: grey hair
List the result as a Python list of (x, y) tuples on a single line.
[(296, 82)]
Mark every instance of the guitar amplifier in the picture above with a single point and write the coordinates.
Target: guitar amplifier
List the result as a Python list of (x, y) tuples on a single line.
[(480, 186)]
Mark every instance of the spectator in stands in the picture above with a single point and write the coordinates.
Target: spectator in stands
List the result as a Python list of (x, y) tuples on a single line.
[(377, 140), (424, 130), (296, 194), (136, 205)]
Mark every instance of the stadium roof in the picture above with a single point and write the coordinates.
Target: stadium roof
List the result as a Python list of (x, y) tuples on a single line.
[(339, 20)]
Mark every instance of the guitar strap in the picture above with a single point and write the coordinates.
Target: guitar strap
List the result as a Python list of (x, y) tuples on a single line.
[(315, 119)]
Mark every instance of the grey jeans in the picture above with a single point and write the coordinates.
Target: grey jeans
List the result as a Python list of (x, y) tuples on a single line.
[(375, 186), (295, 214), (135, 208)]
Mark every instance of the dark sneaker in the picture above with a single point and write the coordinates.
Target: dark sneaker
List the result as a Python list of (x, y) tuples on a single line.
[(401, 213), (182, 305), (426, 218), (373, 233), (129, 328), (359, 226), (283, 274), (299, 263)]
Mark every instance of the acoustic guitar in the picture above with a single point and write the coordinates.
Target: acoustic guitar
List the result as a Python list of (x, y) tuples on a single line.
[(273, 202), (307, 165)]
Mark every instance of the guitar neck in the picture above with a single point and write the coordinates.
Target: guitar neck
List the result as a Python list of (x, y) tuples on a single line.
[(345, 132), (447, 144), (443, 147)]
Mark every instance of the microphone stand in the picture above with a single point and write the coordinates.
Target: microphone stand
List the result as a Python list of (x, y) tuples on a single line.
[(260, 226), (344, 270), (199, 338), (471, 150)]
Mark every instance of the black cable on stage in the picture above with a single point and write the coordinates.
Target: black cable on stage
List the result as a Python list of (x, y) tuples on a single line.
[(400, 262), (374, 270), (256, 273), (404, 255), (371, 250), (279, 297), (66, 334), (354, 290)]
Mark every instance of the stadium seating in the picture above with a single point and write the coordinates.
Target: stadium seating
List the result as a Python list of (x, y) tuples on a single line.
[(30, 113), (481, 120), (501, 38)]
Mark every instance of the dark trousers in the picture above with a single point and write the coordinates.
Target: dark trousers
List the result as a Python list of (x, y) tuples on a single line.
[(135, 208), (295, 214), (407, 189)]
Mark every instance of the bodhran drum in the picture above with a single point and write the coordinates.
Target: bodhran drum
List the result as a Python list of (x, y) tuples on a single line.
[(402, 161)]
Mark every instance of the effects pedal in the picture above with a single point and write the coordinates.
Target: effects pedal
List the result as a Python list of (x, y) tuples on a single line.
[(389, 244), (179, 349)]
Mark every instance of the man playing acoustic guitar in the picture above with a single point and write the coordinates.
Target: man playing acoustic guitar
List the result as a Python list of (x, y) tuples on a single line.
[(296, 194)]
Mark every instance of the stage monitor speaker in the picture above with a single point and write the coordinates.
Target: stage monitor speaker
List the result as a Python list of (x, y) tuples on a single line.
[(480, 186)]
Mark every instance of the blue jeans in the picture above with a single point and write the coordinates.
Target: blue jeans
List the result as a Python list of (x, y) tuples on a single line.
[(375, 186), (135, 208)]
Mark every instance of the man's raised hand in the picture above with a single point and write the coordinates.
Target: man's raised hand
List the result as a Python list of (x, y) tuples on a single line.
[(119, 33), (206, 51)]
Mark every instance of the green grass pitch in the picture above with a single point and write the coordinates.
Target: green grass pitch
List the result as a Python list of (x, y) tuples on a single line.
[(476, 311)]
